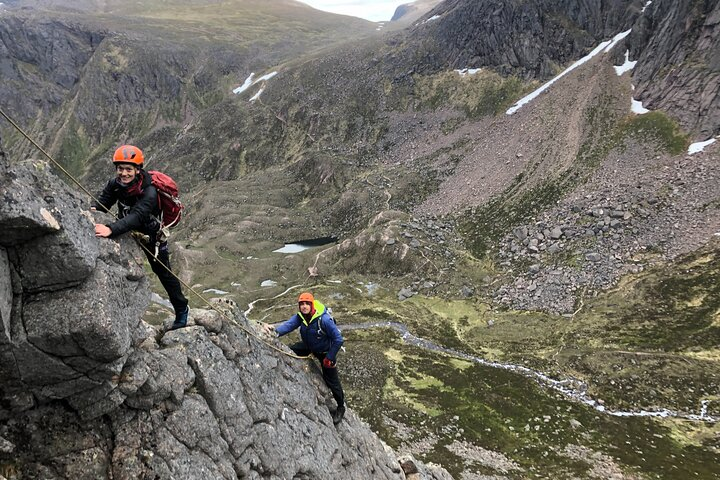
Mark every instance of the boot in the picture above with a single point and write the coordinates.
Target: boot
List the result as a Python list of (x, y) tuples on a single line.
[(339, 414), (180, 319)]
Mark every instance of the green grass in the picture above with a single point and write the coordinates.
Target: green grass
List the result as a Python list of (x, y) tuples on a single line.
[(438, 400), (483, 94), (74, 150), (656, 127)]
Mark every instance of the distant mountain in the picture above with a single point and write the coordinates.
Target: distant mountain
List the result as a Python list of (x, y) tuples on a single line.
[(86, 77), (529, 38), (409, 12)]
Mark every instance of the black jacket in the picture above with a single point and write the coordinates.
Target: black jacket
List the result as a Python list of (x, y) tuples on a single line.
[(138, 207)]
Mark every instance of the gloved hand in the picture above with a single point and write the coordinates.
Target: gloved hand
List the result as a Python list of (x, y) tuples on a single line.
[(327, 363)]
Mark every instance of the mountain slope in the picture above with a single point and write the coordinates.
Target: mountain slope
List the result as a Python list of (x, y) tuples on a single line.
[(410, 12), (574, 237), (90, 391), (82, 81)]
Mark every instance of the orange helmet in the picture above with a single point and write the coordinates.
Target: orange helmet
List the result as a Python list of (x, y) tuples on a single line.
[(129, 154), (306, 297)]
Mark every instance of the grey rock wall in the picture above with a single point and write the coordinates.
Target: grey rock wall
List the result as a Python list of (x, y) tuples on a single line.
[(89, 390), (528, 38), (69, 316), (40, 63), (677, 46)]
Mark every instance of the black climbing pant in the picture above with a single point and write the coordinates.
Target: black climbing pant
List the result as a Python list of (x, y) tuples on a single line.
[(330, 375), (168, 280)]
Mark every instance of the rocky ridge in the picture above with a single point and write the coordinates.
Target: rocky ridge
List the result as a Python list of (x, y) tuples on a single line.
[(410, 12), (89, 390)]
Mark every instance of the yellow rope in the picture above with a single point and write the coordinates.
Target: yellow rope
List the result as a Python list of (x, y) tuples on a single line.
[(142, 245)]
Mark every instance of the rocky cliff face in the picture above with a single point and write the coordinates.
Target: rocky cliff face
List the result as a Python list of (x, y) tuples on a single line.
[(89, 390), (41, 62), (674, 42), (71, 85), (677, 46), (529, 38), (81, 78)]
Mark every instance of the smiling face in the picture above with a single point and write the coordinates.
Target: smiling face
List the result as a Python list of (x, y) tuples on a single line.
[(305, 307), (126, 172)]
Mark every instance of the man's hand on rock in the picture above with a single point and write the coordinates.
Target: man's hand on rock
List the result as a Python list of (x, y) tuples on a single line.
[(102, 230), (268, 329)]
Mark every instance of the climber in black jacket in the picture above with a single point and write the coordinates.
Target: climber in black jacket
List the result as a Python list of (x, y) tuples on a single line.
[(139, 210)]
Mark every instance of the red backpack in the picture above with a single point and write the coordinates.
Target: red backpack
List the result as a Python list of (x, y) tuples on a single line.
[(168, 198)]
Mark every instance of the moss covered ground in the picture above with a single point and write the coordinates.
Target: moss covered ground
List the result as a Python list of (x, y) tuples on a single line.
[(650, 344)]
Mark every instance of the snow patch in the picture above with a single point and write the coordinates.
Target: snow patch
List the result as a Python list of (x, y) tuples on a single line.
[(249, 82), (257, 95), (468, 71), (699, 146), (265, 77), (637, 107), (617, 39), (215, 291), (434, 17), (155, 298), (246, 85), (627, 66)]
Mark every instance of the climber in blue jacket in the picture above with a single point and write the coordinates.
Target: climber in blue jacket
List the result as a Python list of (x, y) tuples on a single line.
[(321, 337)]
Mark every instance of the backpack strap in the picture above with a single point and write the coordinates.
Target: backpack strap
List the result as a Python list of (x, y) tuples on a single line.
[(328, 310)]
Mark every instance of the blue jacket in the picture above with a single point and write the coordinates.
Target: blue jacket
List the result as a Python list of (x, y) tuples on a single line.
[(327, 339)]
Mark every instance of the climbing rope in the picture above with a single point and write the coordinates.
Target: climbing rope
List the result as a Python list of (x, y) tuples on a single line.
[(144, 246)]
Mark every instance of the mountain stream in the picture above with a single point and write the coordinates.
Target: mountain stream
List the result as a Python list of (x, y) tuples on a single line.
[(571, 388)]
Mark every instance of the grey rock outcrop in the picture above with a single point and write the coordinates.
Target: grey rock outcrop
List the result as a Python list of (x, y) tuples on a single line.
[(89, 390), (625, 219), (68, 324), (530, 38), (677, 45)]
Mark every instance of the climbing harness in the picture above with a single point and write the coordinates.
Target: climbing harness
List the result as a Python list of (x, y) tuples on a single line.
[(144, 246)]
